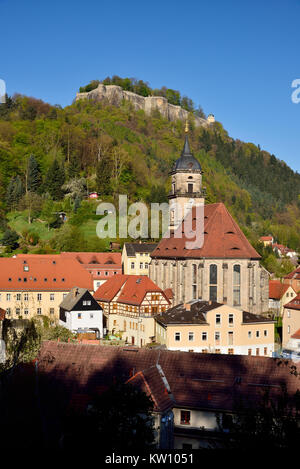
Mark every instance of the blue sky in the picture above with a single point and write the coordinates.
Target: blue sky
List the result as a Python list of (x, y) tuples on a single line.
[(235, 58)]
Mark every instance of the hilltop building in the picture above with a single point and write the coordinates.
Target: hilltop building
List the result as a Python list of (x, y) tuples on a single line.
[(226, 268)]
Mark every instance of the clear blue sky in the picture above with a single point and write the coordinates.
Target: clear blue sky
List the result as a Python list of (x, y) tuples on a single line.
[(236, 58)]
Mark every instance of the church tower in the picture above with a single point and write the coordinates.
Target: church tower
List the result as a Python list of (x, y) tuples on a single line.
[(186, 190)]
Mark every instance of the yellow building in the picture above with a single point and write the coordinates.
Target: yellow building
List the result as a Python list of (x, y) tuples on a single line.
[(210, 327), (38, 284), (290, 320), (136, 258)]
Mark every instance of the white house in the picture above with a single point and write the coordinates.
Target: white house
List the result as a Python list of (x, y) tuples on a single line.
[(80, 312)]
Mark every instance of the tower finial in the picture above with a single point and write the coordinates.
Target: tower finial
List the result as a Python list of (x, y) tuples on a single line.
[(186, 126)]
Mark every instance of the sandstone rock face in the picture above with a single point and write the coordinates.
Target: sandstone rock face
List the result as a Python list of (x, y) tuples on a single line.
[(115, 95)]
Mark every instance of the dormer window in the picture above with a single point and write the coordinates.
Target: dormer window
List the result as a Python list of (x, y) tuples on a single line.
[(26, 268)]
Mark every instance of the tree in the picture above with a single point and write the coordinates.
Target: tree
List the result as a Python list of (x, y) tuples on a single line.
[(55, 179), (33, 175), (10, 239), (103, 175), (76, 188), (119, 419), (33, 203)]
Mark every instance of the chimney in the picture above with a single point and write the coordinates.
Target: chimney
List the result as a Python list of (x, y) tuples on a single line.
[(75, 293)]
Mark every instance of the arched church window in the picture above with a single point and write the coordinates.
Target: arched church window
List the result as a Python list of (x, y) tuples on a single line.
[(194, 282), (236, 285), (213, 282)]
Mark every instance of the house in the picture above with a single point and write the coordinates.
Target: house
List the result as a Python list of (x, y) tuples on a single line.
[(129, 304), (101, 265), (191, 391), (284, 251), (225, 268), (290, 320), (80, 312), (293, 279), (267, 240), (37, 284), (211, 327), (279, 295), (136, 258)]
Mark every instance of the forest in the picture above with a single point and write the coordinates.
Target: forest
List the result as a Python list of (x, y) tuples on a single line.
[(51, 158)]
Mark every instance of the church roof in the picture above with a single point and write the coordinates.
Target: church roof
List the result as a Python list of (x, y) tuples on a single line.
[(223, 238), (186, 162)]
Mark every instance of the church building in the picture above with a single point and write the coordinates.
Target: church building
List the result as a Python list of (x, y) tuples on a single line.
[(226, 268)]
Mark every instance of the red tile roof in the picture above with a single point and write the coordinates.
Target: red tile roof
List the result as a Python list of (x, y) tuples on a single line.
[(44, 273), (169, 293), (192, 380), (294, 304), (2, 314), (277, 289), (104, 259), (266, 238), (296, 335), (131, 288), (223, 238), (294, 275)]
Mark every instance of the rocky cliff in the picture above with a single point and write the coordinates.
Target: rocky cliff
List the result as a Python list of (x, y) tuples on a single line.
[(115, 95)]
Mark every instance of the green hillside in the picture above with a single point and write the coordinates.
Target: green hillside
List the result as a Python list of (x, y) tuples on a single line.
[(51, 157)]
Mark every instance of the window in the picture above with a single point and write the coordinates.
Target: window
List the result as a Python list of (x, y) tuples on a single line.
[(217, 337), (91, 315), (289, 329), (141, 265), (249, 334), (106, 273), (257, 352), (146, 265), (257, 334), (88, 303), (39, 311), (177, 336), (204, 350), (51, 310), (218, 319), (64, 295), (39, 296), (79, 316), (26, 311), (265, 351), (213, 281), (265, 333), (288, 314), (18, 296), (154, 309), (249, 351), (26, 268), (230, 351), (230, 338), (191, 336), (204, 335), (217, 350), (236, 285), (51, 296), (8, 296), (185, 417), (190, 188), (18, 310), (8, 311), (194, 283), (132, 265), (25, 296), (230, 319)]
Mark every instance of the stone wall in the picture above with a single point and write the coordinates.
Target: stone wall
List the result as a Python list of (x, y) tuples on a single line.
[(115, 95)]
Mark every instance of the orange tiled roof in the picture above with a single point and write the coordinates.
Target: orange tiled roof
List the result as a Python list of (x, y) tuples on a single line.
[(266, 238), (294, 303), (223, 238), (132, 288), (296, 335), (295, 274), (40, 273), (277, 289)]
